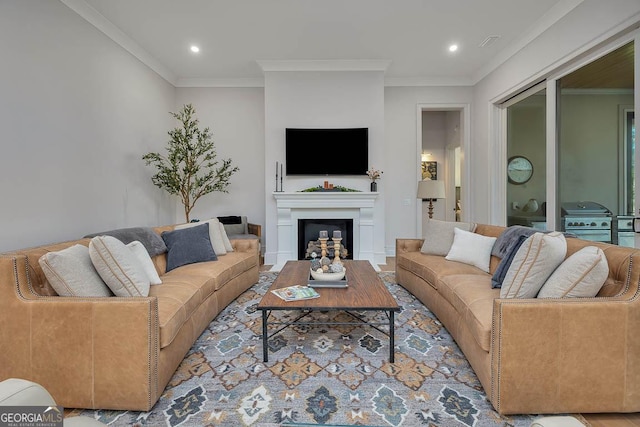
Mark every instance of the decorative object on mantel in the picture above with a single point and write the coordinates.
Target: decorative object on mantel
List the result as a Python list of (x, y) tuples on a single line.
[(430, 190), (334, 188), (281, 173), (189, 169), (374, 174)]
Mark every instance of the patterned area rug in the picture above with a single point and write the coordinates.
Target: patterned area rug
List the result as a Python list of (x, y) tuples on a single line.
[(337, 375)]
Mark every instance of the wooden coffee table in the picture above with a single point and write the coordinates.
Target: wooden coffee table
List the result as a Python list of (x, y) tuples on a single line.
[(366, 292)]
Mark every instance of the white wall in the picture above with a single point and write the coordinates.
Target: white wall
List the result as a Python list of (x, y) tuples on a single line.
[(236, 119), (77, 112), (323, 99), (585, 25), (401, 153)]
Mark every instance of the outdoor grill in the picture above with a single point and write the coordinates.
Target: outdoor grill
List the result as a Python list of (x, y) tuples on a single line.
[(587, 220)]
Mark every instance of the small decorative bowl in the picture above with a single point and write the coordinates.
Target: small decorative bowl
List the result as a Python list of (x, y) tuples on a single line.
[(328, 276)]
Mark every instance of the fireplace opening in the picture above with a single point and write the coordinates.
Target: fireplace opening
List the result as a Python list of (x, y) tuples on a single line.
[(309, 230)]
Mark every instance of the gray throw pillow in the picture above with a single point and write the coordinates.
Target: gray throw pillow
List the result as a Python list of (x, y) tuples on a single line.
[(438, 236), (215, 235), (188, 246), (152, 242)]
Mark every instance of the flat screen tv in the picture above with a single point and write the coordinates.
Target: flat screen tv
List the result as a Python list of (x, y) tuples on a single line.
[(327, 151)]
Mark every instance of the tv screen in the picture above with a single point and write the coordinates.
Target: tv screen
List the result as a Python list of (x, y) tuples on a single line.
[(327, 151)]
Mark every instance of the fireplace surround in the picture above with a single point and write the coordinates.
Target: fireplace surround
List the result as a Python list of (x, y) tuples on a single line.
[(356, 206)]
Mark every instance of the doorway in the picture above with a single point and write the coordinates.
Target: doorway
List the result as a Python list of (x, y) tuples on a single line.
[(441, 143)]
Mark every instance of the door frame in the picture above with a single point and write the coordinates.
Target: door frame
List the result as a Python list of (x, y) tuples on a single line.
[(465, 126)]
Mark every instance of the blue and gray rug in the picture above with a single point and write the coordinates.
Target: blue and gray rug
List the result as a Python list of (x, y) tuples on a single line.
[(337, 375)]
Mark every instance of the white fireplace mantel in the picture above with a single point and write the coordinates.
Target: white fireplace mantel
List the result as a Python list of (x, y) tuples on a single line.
[(292, 206)]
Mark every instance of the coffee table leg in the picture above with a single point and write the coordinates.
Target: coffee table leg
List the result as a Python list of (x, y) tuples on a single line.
[(265, 344), (392, 340)]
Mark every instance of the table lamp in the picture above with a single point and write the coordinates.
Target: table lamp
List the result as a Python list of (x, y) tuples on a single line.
[(431, 190)]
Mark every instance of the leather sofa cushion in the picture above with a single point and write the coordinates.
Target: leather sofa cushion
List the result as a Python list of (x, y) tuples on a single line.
[(217, 272), (472, 297), (433, 267), (185, 288), (177, 301)]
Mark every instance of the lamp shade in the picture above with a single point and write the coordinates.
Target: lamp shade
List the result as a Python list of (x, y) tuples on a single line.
[(431, 189)]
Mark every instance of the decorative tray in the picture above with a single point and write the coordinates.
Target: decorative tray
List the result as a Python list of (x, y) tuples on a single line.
[(313, 283)]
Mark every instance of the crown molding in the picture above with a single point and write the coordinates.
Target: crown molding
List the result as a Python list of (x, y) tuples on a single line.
[(388, 82), (324, 65), (221, 82), (96, 19), (557, 12), (427, 81)]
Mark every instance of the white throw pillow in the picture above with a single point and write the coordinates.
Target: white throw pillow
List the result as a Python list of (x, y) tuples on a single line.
[(438, 236), (71, 273), (146, 263), (532, 265), (580, 275), (119, 267), (227, 243), (217, 243), (471, 248)]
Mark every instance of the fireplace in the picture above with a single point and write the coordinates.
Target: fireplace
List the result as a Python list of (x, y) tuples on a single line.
[(356, 206), (309, 229)]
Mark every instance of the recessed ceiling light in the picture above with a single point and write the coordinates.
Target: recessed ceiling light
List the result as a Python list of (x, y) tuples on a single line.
[(453, 48), (195, 49)]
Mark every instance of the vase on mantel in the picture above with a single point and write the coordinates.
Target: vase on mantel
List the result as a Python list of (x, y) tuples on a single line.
[(374, 186)]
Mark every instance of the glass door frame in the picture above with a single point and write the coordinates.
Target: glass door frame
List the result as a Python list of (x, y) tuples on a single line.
[(498, 133)]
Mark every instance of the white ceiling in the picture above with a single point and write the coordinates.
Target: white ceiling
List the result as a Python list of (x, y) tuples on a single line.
[(234, 34)]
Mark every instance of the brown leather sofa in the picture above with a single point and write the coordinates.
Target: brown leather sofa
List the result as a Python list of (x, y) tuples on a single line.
[(111, 352), (538, 356)]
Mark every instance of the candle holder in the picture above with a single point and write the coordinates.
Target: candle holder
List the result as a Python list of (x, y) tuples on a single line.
[(336, 248), (323, 246)]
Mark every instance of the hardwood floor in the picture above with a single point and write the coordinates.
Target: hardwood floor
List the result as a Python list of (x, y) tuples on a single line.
[(594, 420), (613, 420)]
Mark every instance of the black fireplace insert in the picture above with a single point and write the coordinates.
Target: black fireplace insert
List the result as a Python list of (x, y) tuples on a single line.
[(309, 230)]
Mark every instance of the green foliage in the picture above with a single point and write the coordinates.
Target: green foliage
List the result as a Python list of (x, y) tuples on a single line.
[(190, 169), (336, 188)]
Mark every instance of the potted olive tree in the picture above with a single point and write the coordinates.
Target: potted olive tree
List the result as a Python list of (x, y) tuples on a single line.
[(190, 168)]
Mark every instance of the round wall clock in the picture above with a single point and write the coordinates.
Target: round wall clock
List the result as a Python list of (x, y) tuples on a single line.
[(519, 170)]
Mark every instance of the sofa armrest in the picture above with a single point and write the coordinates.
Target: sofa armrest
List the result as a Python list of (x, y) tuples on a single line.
[(255, 229), (565, 355), (408, 245), (85, 351)]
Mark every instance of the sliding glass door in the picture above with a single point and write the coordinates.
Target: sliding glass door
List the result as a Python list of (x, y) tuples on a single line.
[(526, 158), (596, 147), (568, 146)]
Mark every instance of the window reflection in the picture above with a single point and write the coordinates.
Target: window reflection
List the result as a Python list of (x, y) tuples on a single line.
[(526, 138)]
